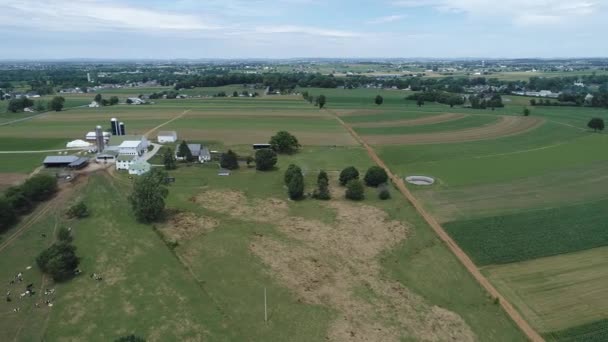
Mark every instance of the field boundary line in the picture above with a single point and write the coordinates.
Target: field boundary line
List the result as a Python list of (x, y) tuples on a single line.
[(465, 260), (167, 122)]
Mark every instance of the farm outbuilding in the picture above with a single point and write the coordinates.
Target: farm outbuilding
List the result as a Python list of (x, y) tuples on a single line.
[(77, 144), (59, 161), (73, 162), (166, 137)]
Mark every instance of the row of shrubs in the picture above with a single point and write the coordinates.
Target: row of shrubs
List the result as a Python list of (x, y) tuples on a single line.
[(22, 199), (349, 177)]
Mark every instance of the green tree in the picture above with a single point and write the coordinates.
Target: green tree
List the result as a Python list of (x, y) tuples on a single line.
[(378, 100), (98, 98), (249, 160), (40, 107), (355, 190), (532, 102), (292, 169), (8, 216), (183, 151), (64, 235), (295, 188), (169, 159), (235, 94), (420, 102), (18, 201), (229, 160), (114, 100), (78, 210), (526, 111), (59, 261), (148, 196), (348, 174), (322, 191), (284, 142), (56, 103), (39, 187), (265, 159), (596, 124), (384, 194), (18, 105), (375, 176), (321, 100)]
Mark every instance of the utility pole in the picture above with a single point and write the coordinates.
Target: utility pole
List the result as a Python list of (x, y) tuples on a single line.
[(265, 307)]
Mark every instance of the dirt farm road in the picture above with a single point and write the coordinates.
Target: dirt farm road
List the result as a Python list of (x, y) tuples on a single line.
[(458, 252)]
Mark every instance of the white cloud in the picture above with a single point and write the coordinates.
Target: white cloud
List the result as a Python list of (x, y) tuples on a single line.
[(314, 31), (523, 12), (89, 15), (386, 19)]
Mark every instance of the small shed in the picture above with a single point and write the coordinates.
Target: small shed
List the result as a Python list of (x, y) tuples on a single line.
[(223, 172), (166, 137)]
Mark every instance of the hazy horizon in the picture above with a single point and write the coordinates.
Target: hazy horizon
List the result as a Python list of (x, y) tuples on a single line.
[(292, 29)]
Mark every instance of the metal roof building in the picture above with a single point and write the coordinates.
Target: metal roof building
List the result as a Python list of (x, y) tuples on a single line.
[(74, 162)]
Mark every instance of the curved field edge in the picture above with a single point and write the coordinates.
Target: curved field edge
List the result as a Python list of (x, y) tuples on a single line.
[(504, 127), (437, 126)]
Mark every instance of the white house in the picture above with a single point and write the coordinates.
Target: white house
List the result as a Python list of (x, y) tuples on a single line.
[(166, 137), (139, 167), (94, 104), (123, 162)]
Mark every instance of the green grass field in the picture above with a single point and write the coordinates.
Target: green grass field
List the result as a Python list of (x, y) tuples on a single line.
[(467, 122), (533, 234), (541, 288), (210, 286)]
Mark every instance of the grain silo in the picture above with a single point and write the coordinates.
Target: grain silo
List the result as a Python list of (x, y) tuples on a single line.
[(99, 139), (122, 128), (115, 128)]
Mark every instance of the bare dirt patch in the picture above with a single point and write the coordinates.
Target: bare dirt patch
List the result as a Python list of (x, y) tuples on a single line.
[(10, 179), (428, 120), (330, 264), (506, 126), (183, 226)]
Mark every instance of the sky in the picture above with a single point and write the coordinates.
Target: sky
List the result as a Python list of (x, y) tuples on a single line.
[(153, 29)]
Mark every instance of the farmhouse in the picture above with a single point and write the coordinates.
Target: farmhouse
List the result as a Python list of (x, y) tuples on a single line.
[(94, 104), (166, 137), (123, 162), (139, 167), (135, 101), (201, 153)]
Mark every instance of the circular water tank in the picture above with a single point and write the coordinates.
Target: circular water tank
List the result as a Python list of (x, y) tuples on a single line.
[(420, 180)]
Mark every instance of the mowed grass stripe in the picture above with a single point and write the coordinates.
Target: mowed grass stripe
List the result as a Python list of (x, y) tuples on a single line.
[(467, 122), (533, 234), (596, 331), (565, 294)]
